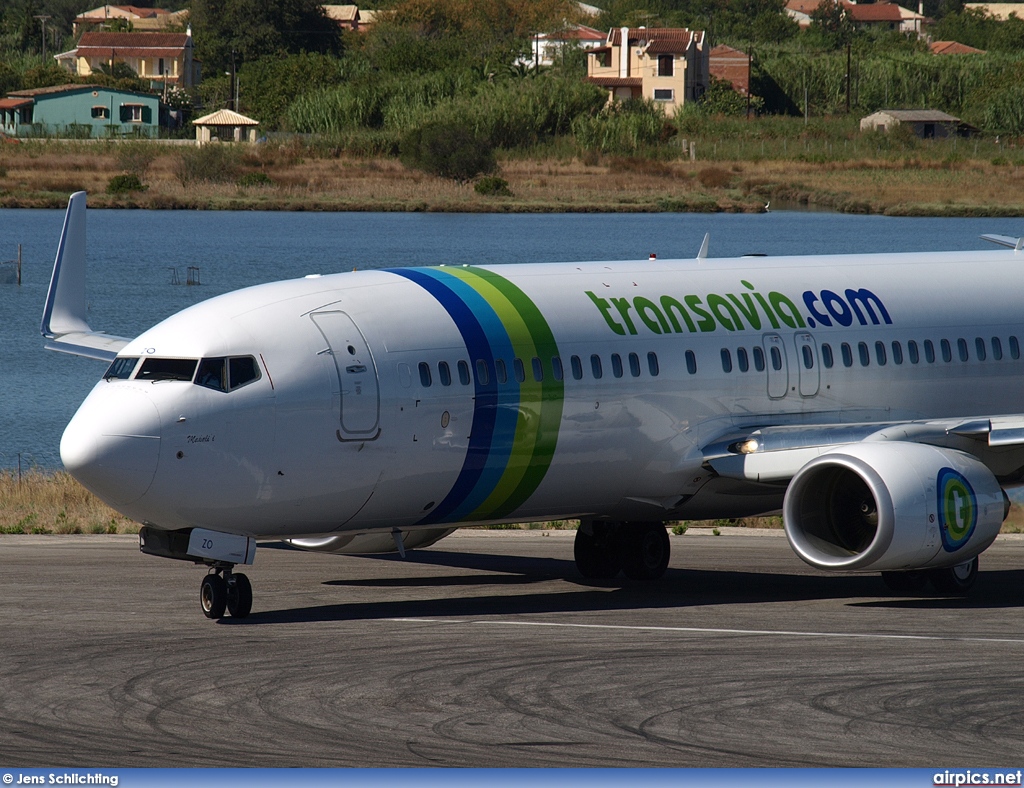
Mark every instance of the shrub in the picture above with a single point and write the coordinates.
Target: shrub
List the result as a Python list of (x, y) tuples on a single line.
[(125, 184), (714, 178), (255, 179), (492, 186), (448, 150), (210, 163), (134, 158)]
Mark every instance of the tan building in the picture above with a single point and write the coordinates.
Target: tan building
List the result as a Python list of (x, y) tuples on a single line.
[(162, 58), (350, 17), (225, 126), (1001, 11), (141, 19), (666, 65)]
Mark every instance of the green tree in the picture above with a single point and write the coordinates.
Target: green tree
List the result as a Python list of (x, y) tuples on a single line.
[(259, 28), (447, 149)]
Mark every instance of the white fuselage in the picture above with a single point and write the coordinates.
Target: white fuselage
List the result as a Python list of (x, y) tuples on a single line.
[(380, 403)]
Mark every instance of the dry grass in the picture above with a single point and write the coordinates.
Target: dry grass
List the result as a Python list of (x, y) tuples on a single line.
[(54, 503)]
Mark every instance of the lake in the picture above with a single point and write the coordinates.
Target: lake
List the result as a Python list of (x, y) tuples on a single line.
[(135, 255)]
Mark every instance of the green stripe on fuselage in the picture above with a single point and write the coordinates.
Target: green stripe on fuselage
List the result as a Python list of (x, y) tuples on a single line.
[(540, 403)]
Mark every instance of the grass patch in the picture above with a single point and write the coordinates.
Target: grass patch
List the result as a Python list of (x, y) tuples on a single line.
[(54, 503)]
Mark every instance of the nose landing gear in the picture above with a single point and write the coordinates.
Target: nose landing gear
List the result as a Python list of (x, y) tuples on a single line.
[(223, 590)]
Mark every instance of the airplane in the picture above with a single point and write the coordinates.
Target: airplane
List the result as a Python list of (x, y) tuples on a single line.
[(873, 398)]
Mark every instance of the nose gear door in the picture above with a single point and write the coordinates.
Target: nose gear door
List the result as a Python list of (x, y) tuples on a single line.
[(357, 375)]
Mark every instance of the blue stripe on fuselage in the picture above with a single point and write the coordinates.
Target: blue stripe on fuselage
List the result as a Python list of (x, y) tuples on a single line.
[(496, 410)]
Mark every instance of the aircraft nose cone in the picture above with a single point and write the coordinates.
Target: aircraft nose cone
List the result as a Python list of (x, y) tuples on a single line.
[(112, 444)]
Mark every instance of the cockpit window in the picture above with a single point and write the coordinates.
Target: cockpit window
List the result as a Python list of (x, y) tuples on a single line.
[(154, 369), (243, 370), (213, 374), (121, 368), (227, 374)]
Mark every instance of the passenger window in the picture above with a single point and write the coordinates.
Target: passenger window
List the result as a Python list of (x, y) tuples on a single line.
[(997, 349), (518, 369), (880, 353), (538, 370), (808, 357), (154, 369), (424, 374), (1014, 348), (929, 351), (727, 360), (463, 373), (826, 356), (243, 370), (121, 368), (616, 365), (556, 368), (947, 351), (913, 352), (897, 353), (577, 367), (691, 362), (759, 359), (213, 374), (634, 365), (979, 346), (865, 357), (742, 361), (595, 366), (847, 355), (500, 373), (776, 355), (652, 364), (444, 374), (483, 376), (961, 346)]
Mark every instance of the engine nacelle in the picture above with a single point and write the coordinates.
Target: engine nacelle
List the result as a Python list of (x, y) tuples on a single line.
[(892, 506), (368, 544)]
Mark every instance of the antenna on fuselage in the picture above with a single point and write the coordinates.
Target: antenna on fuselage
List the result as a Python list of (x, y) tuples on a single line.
[(703, 253)]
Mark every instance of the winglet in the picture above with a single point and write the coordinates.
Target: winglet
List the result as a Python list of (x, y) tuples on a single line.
[(703, 253), (1017, 244), (65, 309), (65, 320)]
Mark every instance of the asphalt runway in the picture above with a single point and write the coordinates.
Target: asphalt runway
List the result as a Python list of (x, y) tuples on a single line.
[(489, 650)]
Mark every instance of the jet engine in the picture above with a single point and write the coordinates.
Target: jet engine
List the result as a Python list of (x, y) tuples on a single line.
[(367, 544), (892, 506)]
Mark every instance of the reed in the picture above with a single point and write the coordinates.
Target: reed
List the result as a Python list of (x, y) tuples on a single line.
[(38, 502)]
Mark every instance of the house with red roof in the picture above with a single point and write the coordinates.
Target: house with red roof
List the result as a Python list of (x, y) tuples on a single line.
[(953, 48), (548, 47), (732, 66), (165, 59), (140, 19), (666, 65)]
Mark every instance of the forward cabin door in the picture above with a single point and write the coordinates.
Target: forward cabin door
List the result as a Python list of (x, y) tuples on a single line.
[(357, 375)]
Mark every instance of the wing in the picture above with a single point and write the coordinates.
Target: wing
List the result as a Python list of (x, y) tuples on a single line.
[(775, 454), (64, 321)]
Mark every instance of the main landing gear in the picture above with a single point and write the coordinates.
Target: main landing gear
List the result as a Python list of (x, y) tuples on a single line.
[(951, 580), (639, 550), (223, 590)]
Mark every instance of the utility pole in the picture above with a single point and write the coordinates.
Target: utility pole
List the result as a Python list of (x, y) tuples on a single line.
[(42, 18), (847, 77)]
